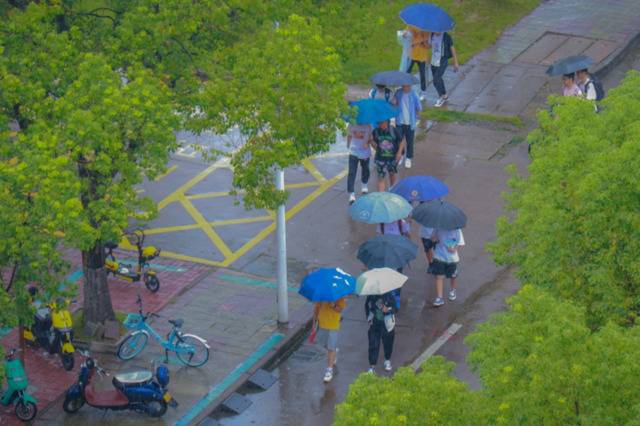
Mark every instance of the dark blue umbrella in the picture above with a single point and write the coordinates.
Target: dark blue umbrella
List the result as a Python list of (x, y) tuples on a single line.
[(427, 17), (394, 78), (373, 111), (391, 251), (327, 285), (420, 188), (439, 214), (570, 65)]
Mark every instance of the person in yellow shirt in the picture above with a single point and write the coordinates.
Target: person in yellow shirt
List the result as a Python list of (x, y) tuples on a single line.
[(327, 315), (419, 55)]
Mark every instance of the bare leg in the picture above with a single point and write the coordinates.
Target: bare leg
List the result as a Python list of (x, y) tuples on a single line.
[(331, 357), (393, 178), (430, 256), (440, 285), (381, 184)]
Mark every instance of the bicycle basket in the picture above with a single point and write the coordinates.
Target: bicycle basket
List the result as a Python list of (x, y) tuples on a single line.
[(132, 321)]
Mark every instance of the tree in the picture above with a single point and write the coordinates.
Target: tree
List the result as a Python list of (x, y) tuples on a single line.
[(574, 224), (538, 363)]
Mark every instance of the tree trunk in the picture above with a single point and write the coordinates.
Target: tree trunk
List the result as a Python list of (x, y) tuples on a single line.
[(97, 300)]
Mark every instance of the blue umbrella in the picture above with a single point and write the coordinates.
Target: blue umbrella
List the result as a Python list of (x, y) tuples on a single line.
[(420, 188), (327, 285), (380, 207), (373, 111), (427, 17), (570, 65)]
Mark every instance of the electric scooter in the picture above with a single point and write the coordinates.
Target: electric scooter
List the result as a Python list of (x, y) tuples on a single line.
[(135, 390), (52, 330), (16, 393), (141, 271)]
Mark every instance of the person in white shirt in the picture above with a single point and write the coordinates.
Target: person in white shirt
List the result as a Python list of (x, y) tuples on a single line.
[(589, 90), (445, 261)]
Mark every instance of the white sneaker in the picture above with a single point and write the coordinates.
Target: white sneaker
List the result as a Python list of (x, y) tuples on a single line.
[(365, 189), (407, 163), (387, 365), (421, 97), (371, 370), (352, 198), (440, 102), (452, 294), (328, 375)]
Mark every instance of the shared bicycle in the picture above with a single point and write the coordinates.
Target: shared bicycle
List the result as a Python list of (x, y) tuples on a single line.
[(190, 349)]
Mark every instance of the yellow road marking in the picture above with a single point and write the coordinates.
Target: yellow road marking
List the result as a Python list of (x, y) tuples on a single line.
[(175, 195), (207, 195), (170, 229), (288, 215), (301, 185), (193, 259), (169, 170), (311, 168), (204, 225)]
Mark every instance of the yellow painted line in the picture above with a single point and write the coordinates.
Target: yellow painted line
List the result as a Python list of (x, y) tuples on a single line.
[(169, 170), (193, 259), (311, 168), (289, 214), (175, 195), (170, 229), (204, 225), (301, 185), (207, 195), (241, 220)]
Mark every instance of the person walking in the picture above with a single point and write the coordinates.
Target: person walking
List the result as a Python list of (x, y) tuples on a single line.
[(445, 261), (399, 227), (428, 244), (380, 91), (442, 50), (327, 316), (389, 149), (359, 144), (590, 86), (377, 308), (569, 86), (408, 110), (419, 55)]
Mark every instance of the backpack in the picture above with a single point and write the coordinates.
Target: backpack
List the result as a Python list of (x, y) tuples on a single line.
[(597, 85), (374, 92)]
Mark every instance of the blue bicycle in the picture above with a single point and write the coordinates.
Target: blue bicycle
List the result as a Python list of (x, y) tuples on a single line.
[(190, 349)]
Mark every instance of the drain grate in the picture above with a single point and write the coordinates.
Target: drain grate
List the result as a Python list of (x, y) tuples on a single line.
[(308, 353)]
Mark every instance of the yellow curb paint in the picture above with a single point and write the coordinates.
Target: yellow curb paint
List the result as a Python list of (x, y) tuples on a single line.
[(311, 168), (204, 225), (169, 170)]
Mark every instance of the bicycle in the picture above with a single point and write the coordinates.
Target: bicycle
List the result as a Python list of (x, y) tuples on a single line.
[(190, 349)]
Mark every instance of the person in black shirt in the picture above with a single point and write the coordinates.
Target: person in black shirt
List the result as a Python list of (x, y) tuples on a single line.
[(376, 307), (389, 148)]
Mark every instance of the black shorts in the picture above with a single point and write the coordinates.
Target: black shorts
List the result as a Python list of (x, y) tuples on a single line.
[(428, 244), (449, 270), (382, 167)]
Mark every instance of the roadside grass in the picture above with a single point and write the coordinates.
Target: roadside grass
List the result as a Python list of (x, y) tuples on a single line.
[(365, 30), (447, 116), (78, 324)]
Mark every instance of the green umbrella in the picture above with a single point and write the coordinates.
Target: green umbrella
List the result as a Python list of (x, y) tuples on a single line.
[(379, 281)]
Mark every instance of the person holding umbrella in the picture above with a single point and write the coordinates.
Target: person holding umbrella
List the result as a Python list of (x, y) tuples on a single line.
[(389, 149), (358, 142), (445, 261), (419, 55), (327, 287), (409, 108), (569, 86), (442, 50)]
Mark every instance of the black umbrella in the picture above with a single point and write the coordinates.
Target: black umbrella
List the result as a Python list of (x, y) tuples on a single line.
[(439, 214), (570, 65), (391, 251), (394, 78)]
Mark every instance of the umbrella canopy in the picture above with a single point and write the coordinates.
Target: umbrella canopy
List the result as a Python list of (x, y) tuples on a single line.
[(570, 65), (439, 214), (327, 285), (379, 281), (373, 111), (420, 188), (427, 17), (380, 207), (393, 251), (394, 78)]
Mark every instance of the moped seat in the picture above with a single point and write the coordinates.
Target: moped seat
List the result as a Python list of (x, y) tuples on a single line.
[(133, 377), (111, 245), (177, 323)]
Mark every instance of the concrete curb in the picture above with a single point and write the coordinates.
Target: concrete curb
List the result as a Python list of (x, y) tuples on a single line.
[(617, 57)]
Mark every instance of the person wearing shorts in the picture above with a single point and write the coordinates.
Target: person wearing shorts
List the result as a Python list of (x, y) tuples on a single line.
[(445, 261), (389, 149), (428, 244), (328, 315)]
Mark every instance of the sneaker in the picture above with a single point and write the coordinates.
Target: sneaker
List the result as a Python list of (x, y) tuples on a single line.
[(439, 301), (352, 198), (371, 370), (440, 102), (452, 294), (387, 365), (407, 163), (365, 189), (328, 375), (421, 97)]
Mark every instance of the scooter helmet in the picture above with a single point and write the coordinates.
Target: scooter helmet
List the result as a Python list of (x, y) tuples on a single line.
[(90, 363), (162, 374)]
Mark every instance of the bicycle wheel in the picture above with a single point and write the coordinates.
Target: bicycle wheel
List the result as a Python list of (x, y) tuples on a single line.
[(191, 351), (152, 283), (132, 346)]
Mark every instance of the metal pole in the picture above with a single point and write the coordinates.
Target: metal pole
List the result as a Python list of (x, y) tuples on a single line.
[(283, 301)]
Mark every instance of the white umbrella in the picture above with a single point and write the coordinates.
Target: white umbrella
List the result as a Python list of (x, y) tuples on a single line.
[(379, 281)]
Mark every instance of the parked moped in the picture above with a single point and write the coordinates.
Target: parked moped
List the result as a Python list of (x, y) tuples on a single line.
[(16, 393), (136, 390), (141, 271), (52, 330)]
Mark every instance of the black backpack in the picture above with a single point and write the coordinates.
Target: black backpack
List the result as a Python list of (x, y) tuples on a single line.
[(597, 85)]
